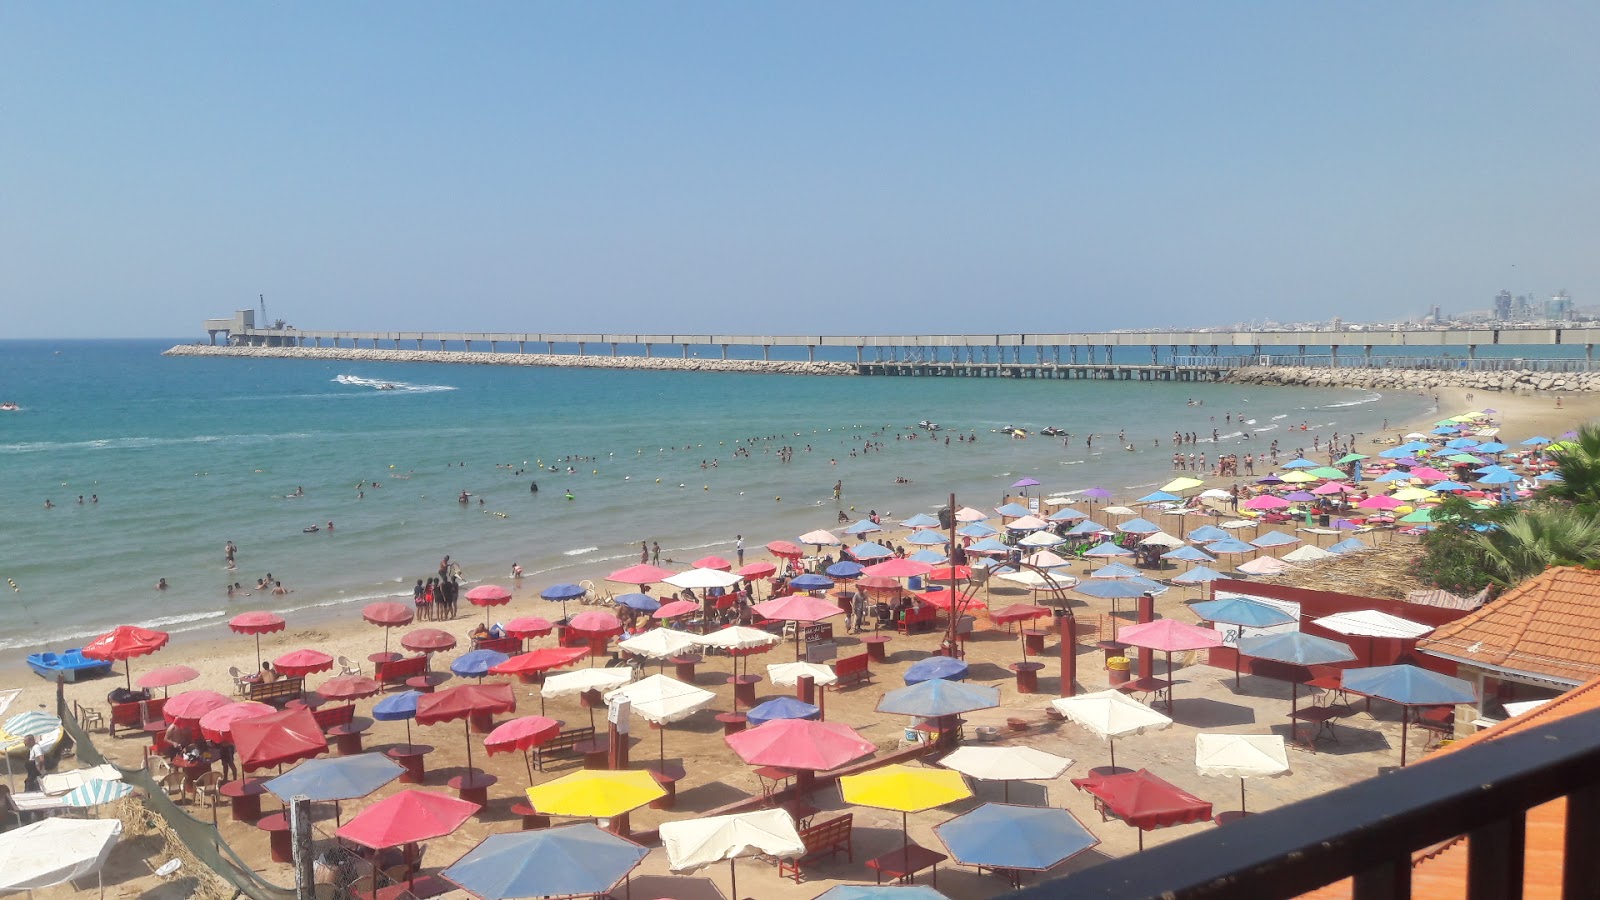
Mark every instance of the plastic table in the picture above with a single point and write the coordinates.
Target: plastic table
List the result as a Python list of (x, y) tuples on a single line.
[(1027, 676), (596, 752), (245, 797), (732, 722), (683, 666), (473, 788), (744, 688), (904, 864), (411, 758), (667, 775), (277, 828), (875, 646), (1033, 639), (532, 819)]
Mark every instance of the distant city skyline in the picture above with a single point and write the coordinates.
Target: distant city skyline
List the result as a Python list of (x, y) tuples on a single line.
[(772, 168)]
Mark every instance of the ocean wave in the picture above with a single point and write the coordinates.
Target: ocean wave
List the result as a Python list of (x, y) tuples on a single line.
[(1267, 428), (396, 387), (579, 552), (1370, 398), (189, 622), (142, 442)]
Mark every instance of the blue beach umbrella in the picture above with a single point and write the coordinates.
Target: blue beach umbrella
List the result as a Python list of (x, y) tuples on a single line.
[(1157, 497), (947, 667), (810, 582), (396, 708), (1108, 549), (1349, 545), (1444, 430), (1146, 585), (1461, 443), (1114, 570), (868, 550), (1389, 477), (977, 530), (1015, 838), (781, 708), (562, 593), (569, 860), (865, 526), (335, 779), (1492, 447), (1239, 611), (1065, 514), (927, 538), (1408, 686), (1138, 526), (1549, 476), (476, 663), (1109, 589), (1295, 648), (989, 545), (1498, 478), (1198, 575), (1229, 546), (1012, 511), (931, 557), (844, 569), (1208, 533), (1301, 463), (880, 892), (640, 602), (1273, 539), (938, 697), (1189, 554), (921, 520), (1088, 527), (1450, 486), (1536, 442)]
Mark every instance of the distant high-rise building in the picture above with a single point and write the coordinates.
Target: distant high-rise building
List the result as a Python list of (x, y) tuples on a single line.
[(1558, 308), (1502, 305)]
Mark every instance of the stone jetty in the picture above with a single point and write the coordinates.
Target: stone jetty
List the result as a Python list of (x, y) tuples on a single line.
[(1399, 379), (571, 361)]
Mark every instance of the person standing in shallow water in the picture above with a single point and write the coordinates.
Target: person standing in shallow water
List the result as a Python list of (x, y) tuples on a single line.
[(644, 552)]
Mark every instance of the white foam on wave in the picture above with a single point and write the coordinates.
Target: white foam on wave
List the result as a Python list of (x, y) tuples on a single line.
[(391, 387), (580, 551), (1267, 428), (177, 624), (1370, 398), (143, 443)]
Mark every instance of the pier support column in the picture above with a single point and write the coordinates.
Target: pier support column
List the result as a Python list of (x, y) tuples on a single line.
[(613, 348), (441, 343), (419, 343), (1366, 355), (468, 344), (685, 351), (397, 343), (1588, 353), (319, 342), (860, 351), (1472, 351), (725, 352), (1154, 356), (1333, 354), (1110, 353), (581, 345), (550, 347), (811, 353), (766, 351), (647, 353)]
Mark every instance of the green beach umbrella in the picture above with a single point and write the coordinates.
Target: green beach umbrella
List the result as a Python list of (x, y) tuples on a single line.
[(1424, 514), (1352, 457), (1328, 473)]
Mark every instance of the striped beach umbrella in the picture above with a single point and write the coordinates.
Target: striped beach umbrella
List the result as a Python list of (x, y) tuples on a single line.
[(96, 791)]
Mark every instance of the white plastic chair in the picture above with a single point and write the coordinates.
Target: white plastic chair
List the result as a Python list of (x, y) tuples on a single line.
[(347, 667)]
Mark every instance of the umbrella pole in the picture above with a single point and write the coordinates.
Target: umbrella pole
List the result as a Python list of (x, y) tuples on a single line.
[(408, 735), (258, 652), (661, 751), (1241, 795), (1405, 724), (905, 836), (733, 878), (466, 732), (1113, 742)]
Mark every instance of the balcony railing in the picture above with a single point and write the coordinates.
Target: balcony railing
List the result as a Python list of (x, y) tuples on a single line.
[(1368, 831)]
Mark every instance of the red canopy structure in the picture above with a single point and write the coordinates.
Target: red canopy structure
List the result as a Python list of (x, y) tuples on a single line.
[(167, 676), (407, 817), (643, 573), (1144, 801), (524, 627), (800, 744), (1169, 636), (785, 550), (427, 640), (942, 599), (1018, 612), (300, 663), (217, 725), (798, 608), (523, 734), (125, 642), (191, 706), (388, 614), (349, 687), (462, 702), (541, 660), (712, 562), (758, 570), (257, 623), (941, 574), (675, 608), (277, 739)]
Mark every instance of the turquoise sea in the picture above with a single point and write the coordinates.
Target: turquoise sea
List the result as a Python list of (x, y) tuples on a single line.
[(185, 454)]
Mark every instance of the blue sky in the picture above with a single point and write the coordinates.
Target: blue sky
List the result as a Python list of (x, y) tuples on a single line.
[(775, 168)]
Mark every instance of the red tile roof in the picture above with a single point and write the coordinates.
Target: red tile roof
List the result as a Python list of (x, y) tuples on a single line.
[(1544, 627), (1440, 873)]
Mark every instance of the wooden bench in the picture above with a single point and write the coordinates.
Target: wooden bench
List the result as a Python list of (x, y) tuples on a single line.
[(851, 670), (563, 741), (831, 837), (507, 645), (337, 719), (277, 692), (396, 671), (134, 714)]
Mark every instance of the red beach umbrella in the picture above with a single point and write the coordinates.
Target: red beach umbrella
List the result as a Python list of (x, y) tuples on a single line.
[(643, 573), (488, 595), (300, 663), (125, 642), (524, 627), (712, 562), (674, 609), (427, 640), (217, 725), (941, 600), (596, 623), (462, 702), (522, 734), (1017, 612), (785, 550), (166, 677), (349, 687), (540, 660), (191, 706), (407, 817), (277, 739), (941, 574), (800, 744), (758, 570), (388, 614), (257, 623)]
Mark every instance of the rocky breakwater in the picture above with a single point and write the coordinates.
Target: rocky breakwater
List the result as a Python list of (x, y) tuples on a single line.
[(459, 357), (1398, 379)]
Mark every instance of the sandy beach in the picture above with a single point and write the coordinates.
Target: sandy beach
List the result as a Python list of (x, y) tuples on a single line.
[(716, 776)]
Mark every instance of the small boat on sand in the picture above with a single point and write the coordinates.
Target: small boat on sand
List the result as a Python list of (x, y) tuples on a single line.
[(69, 663)]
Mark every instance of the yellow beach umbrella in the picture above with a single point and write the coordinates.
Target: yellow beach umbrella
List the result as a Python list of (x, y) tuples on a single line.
[(1179, 485), (1298, 476), (600, 793), (1412, 493), (904, 790)]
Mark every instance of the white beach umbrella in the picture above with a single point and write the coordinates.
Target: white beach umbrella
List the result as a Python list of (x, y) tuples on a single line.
[(968, 514), (1120, 511), (658, 643), (1162, 539), (1266, 565), (1035, 581), (699, 579), (1233, 524), (1041, 539), (54, 851), (1308, 553), (1216, 494), (695, 843), (1240, 756), (1027, 523), (820, 538), (788, 674), (661, 699), (1006, 764), (1372, 623), (1110, 714), (1045, 559), (736, 637), (97, 791), (571, 684)]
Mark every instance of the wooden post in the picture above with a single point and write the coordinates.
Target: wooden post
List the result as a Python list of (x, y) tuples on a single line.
[(1147, 613), (300, 841), (1069, 657), (805, 689)]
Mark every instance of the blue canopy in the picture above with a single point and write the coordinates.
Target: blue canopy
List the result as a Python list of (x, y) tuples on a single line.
[(1408, 686), (1198, 575), (1349, 544), (1461, 443), (810, 582), (1450, 486), (1088, 527), (1549, 476), (640, 602), (563, 592), (1229, 545), (1065, 514), (989, 545), (781, 708), (1492, 447), (1189, 554), (1302, 463), (845, 569), (1110, 589), (578, 859), (939, 698), (1208, 533), (869, 550), (880, 892), (337, 778), (921, 520), (1239, 611), (1157, 497), (1536, 442), (1008, 836), (1272, 539), (395, 707), (928, 538), (1114, 570), (476, 663), (1396, 475), (1138, 526), (1107, 549), (865, 526), (1296, 648), (931, 557), (1145, 584), (1445, 429), (947, 667), (977, 530), (1012, 511)]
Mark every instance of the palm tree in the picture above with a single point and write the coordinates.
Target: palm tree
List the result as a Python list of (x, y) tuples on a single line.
[(1537, 538), (1578, 464)]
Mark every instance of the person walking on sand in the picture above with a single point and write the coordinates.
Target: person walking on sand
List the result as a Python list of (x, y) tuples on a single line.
[(738, 544)]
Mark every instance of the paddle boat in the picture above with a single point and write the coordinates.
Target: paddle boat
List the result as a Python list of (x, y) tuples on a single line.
[(71, 664)]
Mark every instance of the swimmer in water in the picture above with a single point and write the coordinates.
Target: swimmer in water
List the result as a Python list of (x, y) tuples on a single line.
[(161, 584)]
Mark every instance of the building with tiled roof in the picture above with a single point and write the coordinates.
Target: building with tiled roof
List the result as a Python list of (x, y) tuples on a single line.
[(1541, 638), (1440, 872)]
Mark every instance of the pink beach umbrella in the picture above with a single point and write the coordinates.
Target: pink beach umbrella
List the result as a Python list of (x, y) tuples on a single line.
[(643, 573), (487, 595), (191, 706), (674, 609), (1169, 635), (257, 623), (301, 663), (713, 562), (1265, 501), (166, 677), (217, 725), (523, 734), (387, 614)]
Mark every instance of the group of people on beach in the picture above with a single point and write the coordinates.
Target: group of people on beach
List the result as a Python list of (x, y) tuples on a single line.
[(434, 600)]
